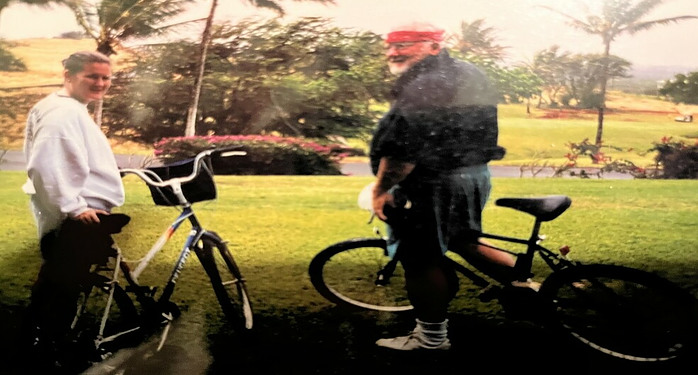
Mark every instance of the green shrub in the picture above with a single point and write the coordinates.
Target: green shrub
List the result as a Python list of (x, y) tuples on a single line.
[(8, 61), (676, 159), (266, 154)]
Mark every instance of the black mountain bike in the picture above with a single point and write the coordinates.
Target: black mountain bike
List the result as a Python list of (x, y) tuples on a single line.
[(623, 312)]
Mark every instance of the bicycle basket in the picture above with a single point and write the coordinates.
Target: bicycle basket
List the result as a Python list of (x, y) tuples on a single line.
[(201, 188)]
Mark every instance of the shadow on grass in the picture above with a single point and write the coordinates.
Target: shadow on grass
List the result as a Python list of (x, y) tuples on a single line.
[(334, 341), (337, 342)]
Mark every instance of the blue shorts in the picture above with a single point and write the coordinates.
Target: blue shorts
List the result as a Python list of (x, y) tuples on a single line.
[(446, 214)]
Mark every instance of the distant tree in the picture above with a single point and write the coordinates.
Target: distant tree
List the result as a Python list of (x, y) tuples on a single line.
[(73, 35), (8, 61), (682, 89), (305, 78), (478, 45), (617, 17), (519, 84), (190, 128), (551, 66), (476, 40), (585, 73)]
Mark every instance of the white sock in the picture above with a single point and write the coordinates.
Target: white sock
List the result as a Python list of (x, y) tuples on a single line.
[(432, 334)]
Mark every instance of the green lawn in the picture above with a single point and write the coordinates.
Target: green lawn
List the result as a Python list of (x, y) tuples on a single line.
[(275, 225), (541, 137)]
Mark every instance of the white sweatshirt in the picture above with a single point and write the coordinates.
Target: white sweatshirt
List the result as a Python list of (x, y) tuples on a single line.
[(70, 163)]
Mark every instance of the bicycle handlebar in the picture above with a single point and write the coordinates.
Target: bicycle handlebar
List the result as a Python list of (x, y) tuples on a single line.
[(150, 178)]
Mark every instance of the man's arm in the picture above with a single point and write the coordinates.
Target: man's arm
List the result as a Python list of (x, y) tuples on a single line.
[(390, 173)]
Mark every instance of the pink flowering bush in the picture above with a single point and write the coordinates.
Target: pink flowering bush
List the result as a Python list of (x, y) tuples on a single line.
[(674, 159), (266, 154), (606, 163)]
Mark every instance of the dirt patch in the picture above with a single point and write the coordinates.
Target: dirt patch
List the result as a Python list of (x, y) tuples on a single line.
[(567, 113)]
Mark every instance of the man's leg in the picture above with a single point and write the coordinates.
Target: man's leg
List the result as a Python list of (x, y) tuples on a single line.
[(431, 284)]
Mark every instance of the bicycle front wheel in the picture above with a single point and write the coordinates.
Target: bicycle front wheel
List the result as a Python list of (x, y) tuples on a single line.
[(359, 273), (623, 312), (226, 279)]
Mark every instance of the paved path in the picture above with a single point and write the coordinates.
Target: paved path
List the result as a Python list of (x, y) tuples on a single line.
[(14, 160)]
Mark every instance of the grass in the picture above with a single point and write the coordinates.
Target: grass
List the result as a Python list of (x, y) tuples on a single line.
[(544, 135), (275, 224)]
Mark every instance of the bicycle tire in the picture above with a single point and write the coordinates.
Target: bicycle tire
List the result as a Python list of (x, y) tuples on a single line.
[(623, 312), (345, 274), (227, 281), (84, 329)]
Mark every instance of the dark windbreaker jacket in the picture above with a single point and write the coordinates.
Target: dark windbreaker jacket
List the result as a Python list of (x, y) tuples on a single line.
[(444, 116)]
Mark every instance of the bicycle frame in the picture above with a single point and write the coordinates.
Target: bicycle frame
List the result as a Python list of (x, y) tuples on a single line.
[(524, 260), (195, 235), (144, 294)]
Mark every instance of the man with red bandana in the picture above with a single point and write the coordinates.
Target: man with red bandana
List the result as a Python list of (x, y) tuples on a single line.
[(432, 147)]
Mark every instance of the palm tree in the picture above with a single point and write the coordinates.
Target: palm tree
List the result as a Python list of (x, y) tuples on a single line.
[(109, 22), (477, 40), (190, 126), (551, 66), (617, 17)]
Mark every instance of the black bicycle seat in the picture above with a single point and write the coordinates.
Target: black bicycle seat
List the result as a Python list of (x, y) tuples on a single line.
[(543, 208), (113, 223)]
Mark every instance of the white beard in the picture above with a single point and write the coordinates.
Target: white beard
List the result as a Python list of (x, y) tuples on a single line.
[(398, 69)]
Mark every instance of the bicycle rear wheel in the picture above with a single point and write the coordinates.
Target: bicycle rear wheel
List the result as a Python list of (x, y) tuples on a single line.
[(226, 279), (347, 274), (91, 337), (623, 312)]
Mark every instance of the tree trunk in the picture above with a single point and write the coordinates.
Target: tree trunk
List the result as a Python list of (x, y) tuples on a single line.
[(604, 82), (190, 129), (599, 127)]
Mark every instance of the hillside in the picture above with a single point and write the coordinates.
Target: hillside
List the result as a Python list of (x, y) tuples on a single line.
[(43, 59), (20, 90)]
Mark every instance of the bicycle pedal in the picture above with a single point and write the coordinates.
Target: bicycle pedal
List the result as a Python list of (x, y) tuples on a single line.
[(98, 280), (381, 280), (146, 290)]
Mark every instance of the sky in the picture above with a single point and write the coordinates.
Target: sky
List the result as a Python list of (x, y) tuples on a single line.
[(521, 25)]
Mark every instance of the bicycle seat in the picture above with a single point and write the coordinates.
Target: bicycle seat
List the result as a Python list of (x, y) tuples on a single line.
[(543, 208), (113, 223)]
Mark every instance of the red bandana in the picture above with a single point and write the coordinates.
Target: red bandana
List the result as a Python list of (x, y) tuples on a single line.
[(415, 36)]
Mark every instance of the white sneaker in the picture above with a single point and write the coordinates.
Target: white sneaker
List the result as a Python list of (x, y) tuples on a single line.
[(530, 284), (410, 342)]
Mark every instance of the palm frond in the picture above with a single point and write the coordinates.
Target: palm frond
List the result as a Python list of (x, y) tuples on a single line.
[(646, 25)]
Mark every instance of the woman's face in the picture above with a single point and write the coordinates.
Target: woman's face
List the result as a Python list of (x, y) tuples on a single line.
[(90, 84)]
